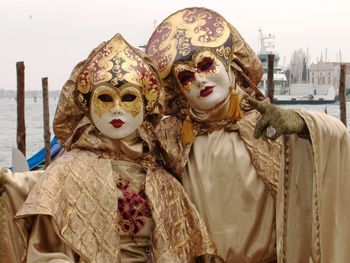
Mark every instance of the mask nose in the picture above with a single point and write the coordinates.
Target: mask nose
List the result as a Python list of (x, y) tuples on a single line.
[(199, 80), (117, 110)]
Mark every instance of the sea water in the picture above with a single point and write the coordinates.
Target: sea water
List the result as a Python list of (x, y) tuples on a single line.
[(34, 123)]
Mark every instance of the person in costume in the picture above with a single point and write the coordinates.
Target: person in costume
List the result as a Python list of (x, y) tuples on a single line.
[(263, 196), (106, 199)]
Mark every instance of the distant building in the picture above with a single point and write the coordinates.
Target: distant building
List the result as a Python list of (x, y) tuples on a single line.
[(328, 73)]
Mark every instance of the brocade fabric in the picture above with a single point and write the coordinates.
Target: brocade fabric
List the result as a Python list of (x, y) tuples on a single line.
[(78, 191), (16, 188), (76, 198)]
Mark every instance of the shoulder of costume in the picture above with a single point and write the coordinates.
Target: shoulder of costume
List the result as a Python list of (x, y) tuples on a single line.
[(73, 158), (169, 123)]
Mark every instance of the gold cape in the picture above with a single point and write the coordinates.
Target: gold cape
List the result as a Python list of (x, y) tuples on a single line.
[(78, 191), (77, 196), (16, 189), (308, 178)]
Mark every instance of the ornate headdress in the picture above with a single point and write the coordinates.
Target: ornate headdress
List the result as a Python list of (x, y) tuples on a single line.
[(183, 33), (114, 62), (117, 63)]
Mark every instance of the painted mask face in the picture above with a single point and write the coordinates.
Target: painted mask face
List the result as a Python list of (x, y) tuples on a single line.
[(117, 113), (204, 81)]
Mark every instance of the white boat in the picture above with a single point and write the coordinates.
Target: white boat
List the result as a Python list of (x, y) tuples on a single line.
[(289, 94), (307, 94)]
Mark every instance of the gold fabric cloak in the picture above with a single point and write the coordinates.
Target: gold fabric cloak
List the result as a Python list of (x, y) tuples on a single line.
[(76, 197), (16, 187), (308, 179), (78, 191)]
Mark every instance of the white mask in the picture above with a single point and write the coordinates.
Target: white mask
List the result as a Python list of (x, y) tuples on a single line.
[(117, 112), (204, 81)]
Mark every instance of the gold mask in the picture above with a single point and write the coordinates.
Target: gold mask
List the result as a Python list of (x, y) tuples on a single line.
[(106, 98), (115, 65), (203, 64), (186, 31)]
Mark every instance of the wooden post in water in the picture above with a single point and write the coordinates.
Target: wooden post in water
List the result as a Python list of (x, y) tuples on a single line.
[(21, 127), (270, 70), (342, 95), (46, 113)]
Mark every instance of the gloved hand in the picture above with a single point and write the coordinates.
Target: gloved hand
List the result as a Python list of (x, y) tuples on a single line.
[(275, 121)]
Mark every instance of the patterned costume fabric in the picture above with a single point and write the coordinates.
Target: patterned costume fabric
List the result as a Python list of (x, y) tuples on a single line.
[(302, 203), (79, 191), (196, 29)]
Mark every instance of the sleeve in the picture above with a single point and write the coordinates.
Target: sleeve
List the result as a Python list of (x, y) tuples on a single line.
[(45, 245), (14, 189), (314, 195), (331, 183)]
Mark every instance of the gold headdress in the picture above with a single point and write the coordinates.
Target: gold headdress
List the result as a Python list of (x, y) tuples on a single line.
[(186, 31), (114, 62), (117, 63)]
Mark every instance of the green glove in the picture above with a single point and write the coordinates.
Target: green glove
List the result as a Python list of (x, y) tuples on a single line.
[(275, 121)]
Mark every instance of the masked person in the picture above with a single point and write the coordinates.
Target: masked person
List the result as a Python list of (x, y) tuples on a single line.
[(263, 196), (106, 199)]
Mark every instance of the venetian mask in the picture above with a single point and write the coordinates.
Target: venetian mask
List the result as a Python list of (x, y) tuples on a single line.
[(117, 88), (204, 80), (117, 113), (186, 32)]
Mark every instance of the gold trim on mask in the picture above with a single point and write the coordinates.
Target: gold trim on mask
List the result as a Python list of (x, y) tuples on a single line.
[(177, 33), (182, 66), (117, 63), (199, 57), (193, 66), (107, 98), (135, 106), (182, 33), (102, 107)]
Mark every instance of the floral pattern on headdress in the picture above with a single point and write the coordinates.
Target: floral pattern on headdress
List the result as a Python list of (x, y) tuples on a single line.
[(118, 63), (188, 31)]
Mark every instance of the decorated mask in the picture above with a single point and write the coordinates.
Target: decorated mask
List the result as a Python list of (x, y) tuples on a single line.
[(193, 38), (117, 113), (204, 80), (117, 88)]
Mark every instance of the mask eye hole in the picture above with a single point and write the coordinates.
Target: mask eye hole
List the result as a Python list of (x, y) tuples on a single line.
[(128, 97), (185, 77), (206, 64), (105, 98)]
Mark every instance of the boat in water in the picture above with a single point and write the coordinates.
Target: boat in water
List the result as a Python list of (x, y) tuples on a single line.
[(37, 161), (306, 94), (285, 93)]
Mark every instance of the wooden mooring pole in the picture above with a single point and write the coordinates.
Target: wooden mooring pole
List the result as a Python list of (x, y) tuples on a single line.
[(21, 127), (342, 95), (270, 70), (46, 113)]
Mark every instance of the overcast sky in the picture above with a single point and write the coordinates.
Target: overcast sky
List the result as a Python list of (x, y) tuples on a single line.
[(51, 36)]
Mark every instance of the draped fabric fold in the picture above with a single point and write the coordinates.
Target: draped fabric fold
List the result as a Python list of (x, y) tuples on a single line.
[(16, 188), (78, 191), (313, 206), (308, 179)]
